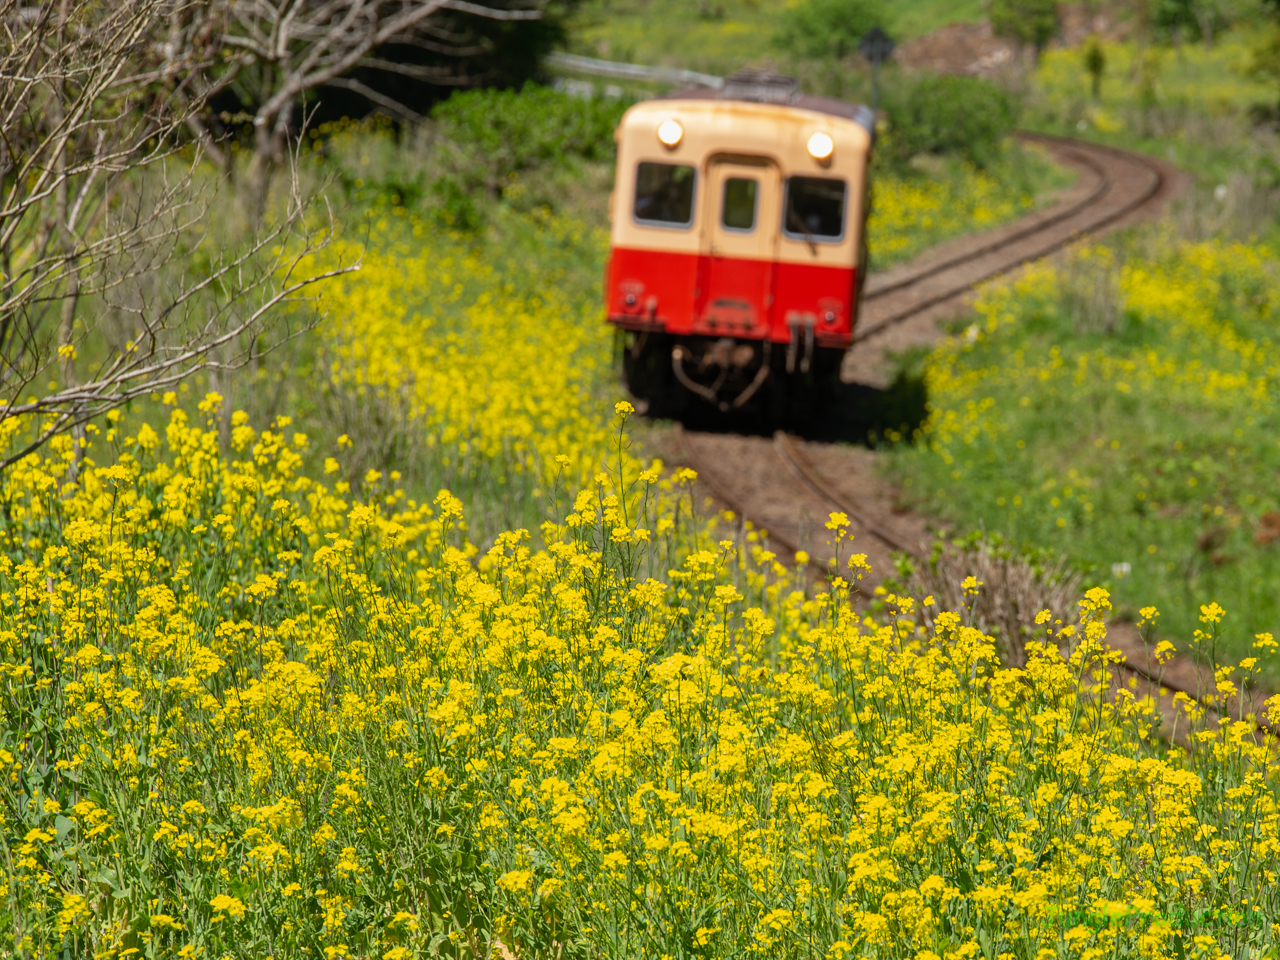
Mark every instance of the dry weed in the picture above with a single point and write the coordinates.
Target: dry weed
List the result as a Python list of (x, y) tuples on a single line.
[(1089, 288), (1011, 590)]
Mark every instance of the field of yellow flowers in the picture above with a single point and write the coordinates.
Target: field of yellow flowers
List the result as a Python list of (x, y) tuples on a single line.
[(1121, 408), (914, 212), (262, 700), (478, 368), (246, 715)]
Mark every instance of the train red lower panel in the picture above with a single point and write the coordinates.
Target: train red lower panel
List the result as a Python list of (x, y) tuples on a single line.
[(716, 296)]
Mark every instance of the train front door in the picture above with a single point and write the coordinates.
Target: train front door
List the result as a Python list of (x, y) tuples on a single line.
[(739, 243)]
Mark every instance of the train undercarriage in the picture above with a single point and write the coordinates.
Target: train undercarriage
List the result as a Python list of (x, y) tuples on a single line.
[(673, 376)]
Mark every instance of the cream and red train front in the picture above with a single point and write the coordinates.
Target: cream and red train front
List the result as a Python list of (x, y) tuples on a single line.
[(740, 221)]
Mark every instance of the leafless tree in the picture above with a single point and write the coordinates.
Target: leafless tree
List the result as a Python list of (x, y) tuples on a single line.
[(110, 281), (280, 50)]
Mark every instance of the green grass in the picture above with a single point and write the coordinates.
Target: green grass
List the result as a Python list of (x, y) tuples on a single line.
[(721, 36), (1196, 116), (1122, 410), (1205, 80), (915, 18)]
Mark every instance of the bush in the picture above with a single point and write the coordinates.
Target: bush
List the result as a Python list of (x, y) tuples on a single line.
[(822, 28), (496, 134), (1029, 22), (476, 144), (962, 116)]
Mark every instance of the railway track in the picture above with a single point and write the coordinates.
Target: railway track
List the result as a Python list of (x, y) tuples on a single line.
[(900, 307), (774, 481), (1124, 182), (829, 497)]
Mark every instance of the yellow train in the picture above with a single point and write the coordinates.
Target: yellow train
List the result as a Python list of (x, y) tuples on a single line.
[(738, 243)]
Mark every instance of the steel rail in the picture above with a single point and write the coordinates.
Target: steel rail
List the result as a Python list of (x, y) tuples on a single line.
[(802, 468), (785, 446), (1155, 179), (730, 500), (1052, 219)]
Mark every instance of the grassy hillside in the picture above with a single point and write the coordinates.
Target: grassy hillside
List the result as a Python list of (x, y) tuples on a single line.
[(261, 699), (720, 36), (1189, 106)]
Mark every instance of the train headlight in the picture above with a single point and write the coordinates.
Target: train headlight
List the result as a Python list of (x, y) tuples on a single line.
[(670, 132), (820, 146)]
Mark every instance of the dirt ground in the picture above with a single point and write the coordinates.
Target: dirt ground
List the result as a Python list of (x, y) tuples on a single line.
[(972, 49)]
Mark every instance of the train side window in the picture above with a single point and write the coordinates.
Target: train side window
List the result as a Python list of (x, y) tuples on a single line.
[(664, 194), (815, 208), (739, 210)]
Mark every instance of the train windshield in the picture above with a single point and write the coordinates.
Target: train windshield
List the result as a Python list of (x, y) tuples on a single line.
[(664, 194), (739, 212), (815, 208)]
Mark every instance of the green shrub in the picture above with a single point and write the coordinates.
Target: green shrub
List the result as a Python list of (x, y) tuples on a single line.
[(1029, 22), (961, 116), (455, 207), (496, 134), (828, 28)]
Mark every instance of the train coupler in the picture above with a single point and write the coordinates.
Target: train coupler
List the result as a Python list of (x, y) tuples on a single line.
[(725, 358)]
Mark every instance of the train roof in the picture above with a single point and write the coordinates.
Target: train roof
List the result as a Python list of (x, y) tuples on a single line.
[(750, 86)]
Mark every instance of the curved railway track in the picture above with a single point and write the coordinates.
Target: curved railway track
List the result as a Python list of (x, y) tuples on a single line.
[(1125, 181), (787, 449), (899, 306), (774, 483)]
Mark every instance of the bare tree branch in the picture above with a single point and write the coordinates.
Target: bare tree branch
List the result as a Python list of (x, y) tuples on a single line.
[(373, 96), (296, 46), (111, 285)]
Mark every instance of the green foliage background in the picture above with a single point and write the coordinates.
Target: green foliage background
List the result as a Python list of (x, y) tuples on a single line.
[(965, 117)]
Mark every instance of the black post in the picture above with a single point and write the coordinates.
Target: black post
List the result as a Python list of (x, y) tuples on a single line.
[(876, 47)]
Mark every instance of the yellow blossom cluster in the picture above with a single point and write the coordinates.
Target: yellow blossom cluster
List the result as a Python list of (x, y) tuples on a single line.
[(1122, 410), (1184, 295), (910, 214), (244, 715), (498, 364)]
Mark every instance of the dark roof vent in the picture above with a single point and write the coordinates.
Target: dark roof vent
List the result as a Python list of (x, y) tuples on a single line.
[(760, 86)]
